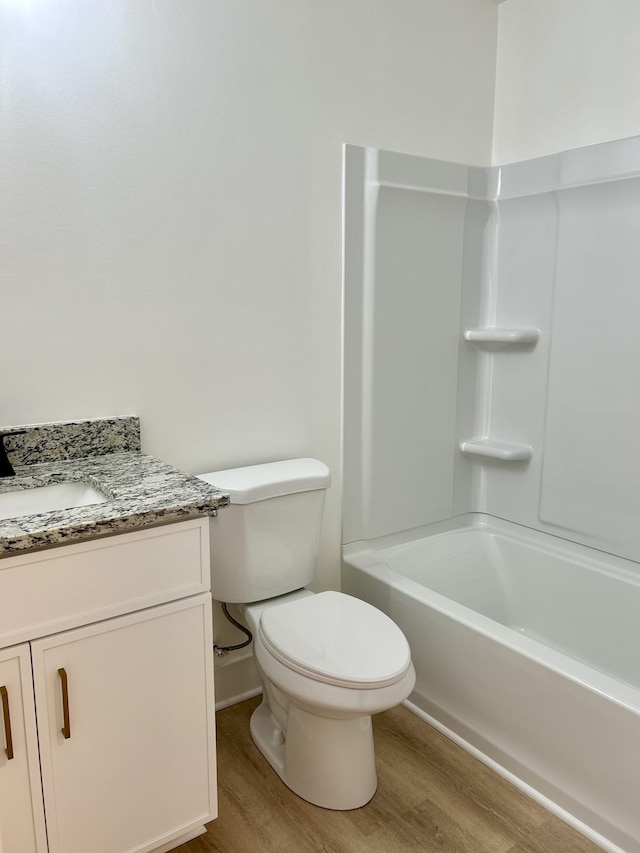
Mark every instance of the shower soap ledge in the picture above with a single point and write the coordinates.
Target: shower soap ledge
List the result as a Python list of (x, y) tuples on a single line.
[(502, 336), (496, 450)]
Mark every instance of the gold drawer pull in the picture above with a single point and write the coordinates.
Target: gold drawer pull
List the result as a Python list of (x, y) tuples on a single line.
[(7, 722), (66, 728)]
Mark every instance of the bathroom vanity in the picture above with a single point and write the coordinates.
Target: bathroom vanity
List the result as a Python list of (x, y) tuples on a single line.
[(107, 738)]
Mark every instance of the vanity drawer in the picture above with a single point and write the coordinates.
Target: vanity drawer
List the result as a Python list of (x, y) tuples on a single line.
[(59, 588)]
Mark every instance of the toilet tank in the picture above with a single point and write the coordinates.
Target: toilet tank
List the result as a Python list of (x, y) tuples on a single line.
[(266, 542)]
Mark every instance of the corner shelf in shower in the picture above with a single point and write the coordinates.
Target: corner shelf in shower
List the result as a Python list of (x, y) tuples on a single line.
[(491, 335), (501, 450)]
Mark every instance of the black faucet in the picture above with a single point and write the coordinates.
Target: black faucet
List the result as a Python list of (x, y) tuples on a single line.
[(6, 468)]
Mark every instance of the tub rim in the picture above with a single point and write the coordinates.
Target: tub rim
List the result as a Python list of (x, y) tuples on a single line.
[(364, 556)]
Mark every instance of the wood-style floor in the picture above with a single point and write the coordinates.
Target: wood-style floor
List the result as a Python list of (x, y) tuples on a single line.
[(432, 796)]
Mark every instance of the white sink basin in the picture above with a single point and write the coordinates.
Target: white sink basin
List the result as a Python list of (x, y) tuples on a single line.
[(48, 499)]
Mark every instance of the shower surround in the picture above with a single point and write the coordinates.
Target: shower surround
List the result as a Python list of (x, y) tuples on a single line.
[(492, 372)]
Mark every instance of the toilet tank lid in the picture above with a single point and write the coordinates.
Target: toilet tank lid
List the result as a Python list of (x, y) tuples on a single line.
[(270, 480)]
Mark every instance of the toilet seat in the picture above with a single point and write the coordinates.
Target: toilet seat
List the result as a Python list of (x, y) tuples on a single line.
[(337, 639)]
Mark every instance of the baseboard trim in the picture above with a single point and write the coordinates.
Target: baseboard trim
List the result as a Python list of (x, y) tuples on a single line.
[(235, 700)]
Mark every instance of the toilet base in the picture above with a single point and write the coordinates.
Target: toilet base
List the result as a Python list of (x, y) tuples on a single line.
[(328, 762)]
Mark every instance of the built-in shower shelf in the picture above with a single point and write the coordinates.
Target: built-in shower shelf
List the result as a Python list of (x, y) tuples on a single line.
[(490, 335), (502, 450)]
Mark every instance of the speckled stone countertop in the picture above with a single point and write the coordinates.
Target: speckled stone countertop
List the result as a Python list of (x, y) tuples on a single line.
[(141, 491)]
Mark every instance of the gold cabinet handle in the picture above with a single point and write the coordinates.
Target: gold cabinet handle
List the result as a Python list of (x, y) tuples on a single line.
[(66, 727), (7, 722)]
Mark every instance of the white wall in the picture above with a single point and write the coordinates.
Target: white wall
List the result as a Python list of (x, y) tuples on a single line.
[(568, 75), (171, 205)]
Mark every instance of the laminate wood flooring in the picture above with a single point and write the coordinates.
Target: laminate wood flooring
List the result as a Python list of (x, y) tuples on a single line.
[(432, 797)]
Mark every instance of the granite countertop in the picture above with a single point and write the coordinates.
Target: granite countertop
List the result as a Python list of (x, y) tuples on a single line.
[(141, 492)]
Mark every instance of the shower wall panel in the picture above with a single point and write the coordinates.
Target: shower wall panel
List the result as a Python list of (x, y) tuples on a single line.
[(492, 354), (591, 473), (404, 235)]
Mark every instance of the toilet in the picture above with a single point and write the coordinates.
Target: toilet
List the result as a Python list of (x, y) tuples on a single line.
[(327, 661)]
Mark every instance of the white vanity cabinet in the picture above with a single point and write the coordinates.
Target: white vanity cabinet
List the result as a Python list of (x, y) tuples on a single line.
[(123, 698)]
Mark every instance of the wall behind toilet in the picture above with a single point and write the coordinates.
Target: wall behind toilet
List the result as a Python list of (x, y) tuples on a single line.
[(171, 206)]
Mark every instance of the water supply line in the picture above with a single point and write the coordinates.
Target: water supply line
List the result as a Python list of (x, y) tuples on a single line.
[(221, 651)]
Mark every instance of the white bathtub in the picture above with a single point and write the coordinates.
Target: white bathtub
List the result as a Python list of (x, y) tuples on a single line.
[(527, 650)]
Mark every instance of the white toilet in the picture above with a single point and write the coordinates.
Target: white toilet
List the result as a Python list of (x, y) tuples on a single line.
[(327, 661)]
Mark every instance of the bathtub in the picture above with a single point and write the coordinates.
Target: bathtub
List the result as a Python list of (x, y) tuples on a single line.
[(527, 652)]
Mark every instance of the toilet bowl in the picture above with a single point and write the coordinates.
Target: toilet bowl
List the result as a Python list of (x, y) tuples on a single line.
[(327, 662)]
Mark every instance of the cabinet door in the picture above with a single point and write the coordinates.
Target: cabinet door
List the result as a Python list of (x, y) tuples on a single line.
[(126, 721), (22, 827)]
